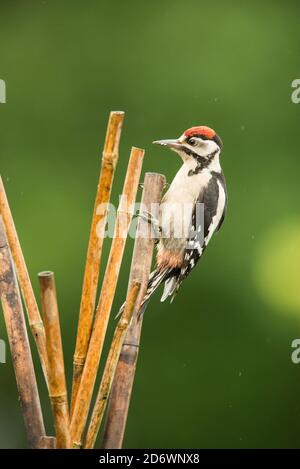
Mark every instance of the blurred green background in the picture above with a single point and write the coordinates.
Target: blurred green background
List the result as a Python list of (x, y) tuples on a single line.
[(215, 367)]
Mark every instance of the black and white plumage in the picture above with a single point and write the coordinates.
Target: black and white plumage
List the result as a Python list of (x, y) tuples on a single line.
[(213, 199), (191, 211)]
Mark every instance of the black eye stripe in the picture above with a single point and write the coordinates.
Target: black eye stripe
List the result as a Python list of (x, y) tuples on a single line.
[(216, 139)]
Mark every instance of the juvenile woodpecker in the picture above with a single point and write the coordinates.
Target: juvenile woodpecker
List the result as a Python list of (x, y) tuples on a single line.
[(198, 187)]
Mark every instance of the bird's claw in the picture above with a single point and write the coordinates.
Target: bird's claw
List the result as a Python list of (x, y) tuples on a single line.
[(149, 218)]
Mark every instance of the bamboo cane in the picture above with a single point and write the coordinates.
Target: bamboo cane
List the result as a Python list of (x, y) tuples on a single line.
[(110, 366), (91, 274), (140, 269), (56, 368), (34, 318), (19, 345), (124, 216)]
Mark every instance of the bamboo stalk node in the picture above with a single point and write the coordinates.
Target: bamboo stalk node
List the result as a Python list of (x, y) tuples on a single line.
[(58, 399), (131, 344), (78, 360), (37, 327), (110, 158)]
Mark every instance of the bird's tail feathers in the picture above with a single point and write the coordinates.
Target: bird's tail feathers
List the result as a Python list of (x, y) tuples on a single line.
[(170, 285), (156, 278)]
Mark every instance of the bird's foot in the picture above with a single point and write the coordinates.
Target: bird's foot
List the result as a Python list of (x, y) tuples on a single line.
[(149, 218)]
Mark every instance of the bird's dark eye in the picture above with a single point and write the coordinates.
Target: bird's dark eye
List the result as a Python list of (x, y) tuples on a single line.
[(192, 141)]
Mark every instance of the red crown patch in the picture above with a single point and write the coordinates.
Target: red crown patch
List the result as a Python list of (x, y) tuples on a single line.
[(200, 130)]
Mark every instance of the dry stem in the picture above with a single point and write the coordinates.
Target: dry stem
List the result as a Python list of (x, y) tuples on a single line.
[(19, 345), (110, 366), (34, 317), (91, 274), (56, 369), (124, 216)]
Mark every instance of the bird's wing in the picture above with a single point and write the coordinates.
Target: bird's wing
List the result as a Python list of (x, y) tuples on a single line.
[(207, 217), (221, 178)]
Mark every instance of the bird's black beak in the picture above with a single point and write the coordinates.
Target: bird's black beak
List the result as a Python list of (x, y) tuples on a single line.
[(172, 144)]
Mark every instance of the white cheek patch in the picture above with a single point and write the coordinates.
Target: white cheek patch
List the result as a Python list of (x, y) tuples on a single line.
[(208, 147)]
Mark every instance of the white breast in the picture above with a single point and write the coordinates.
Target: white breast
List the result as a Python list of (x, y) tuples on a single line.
[(178, 203)]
